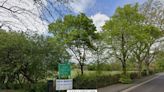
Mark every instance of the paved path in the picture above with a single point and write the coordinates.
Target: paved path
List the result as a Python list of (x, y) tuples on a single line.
[(122, 87), (155, 85)]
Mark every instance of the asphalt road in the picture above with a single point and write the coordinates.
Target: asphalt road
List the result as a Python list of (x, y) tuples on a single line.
[(155, 85)]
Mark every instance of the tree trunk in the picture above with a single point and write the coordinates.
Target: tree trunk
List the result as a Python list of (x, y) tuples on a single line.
[(24, 73), (124, 68), (124, 53), (82, 70), (139, 69), (147, 69)]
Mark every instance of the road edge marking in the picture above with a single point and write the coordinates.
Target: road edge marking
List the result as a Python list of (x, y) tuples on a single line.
[(135, 86)]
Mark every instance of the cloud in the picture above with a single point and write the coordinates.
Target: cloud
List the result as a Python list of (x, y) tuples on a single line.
[(81, 5), (99, 20), (26, 18)]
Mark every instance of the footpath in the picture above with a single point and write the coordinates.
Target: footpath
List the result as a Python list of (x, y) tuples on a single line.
[(121, 87)]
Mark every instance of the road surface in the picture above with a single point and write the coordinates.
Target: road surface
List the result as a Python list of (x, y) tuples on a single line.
[(155, 85)]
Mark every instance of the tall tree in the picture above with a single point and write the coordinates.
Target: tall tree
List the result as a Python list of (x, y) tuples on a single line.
[(153, 11), (144, 38), (75, 33), (118, 32)]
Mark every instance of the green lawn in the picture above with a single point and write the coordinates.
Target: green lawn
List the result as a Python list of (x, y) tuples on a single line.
[(76, 72)]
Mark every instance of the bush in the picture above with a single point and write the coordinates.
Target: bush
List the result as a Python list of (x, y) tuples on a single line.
[(95, 81), (38, 87), (92, 67), (125, 79), (144, 73), (106, 67), (133, 75), (152, 72)]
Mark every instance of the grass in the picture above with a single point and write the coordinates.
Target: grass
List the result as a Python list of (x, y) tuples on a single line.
[(76, 72)]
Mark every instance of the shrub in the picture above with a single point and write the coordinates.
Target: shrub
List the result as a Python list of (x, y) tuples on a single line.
[(133, 75), (125, 79), (152, 72), (144, 73), (38, 87), (95, 81)]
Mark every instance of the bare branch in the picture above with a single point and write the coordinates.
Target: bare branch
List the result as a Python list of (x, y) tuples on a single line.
[(30, 14)]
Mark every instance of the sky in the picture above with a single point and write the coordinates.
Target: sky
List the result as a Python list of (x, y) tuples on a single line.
[(108, 7), (26, 19), (97, 10), (100, 10)]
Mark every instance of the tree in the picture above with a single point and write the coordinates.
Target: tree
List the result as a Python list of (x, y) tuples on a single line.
[(75, 34), (23, 60), (159, 61), (118, 32), (12, 53), (144, 38), (58, 52), (101, 53), (153, 11)]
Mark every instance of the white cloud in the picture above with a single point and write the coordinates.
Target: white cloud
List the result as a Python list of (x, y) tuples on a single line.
[(99, 20), (27, 17), (81, 5)]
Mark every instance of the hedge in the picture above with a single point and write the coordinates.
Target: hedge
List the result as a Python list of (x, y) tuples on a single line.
[(94, 81)]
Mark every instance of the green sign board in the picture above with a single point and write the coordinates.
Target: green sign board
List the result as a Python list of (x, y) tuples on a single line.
[(64, 70)]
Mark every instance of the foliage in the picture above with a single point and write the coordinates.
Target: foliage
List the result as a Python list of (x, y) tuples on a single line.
[(144, 37), (26, 61), (115, 66), (23, 60), (95, 81), (39, 87), (125, 79), (74, 33), (118, 32), (160, 61), (130, 37)]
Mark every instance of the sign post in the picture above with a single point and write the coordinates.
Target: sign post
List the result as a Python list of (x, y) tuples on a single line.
[(64, 72)]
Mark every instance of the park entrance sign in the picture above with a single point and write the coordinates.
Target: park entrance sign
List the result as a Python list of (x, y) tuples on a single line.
[(64, 70), (64, 84)]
